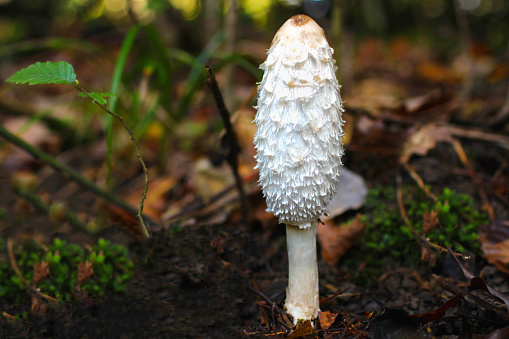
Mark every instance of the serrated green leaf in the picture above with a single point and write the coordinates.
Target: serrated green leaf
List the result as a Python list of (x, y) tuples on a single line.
[(45, 73), (99, 97)]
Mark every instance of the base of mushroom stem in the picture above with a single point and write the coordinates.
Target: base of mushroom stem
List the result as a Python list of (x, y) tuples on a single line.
[(302, 298)]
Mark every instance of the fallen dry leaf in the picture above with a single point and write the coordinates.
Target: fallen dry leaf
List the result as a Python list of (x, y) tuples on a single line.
[(430, 221), (85, 271), (376, 95), (38, 305), (426, 137), (499, 334), (438, 313), (419, 103), (302, 329), (125, 220), (327, 319), (156, 201), (336, 240), (495, 245), (437, 73), (428, 255), (41, 271)]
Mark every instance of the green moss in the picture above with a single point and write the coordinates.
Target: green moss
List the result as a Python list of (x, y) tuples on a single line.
[(388, 237), (112, 269)]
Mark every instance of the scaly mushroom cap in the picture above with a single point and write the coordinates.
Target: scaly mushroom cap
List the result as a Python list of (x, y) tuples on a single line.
[(298, 139)]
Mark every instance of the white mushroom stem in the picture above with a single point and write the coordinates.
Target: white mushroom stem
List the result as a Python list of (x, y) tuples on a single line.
[(302, 299)]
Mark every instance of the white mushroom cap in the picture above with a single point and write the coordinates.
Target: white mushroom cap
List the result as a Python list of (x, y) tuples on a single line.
[(299, 132)]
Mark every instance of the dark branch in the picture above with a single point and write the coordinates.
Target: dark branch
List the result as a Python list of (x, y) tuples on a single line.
[(234, 147)]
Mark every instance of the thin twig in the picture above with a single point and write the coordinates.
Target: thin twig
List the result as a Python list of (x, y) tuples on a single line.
[(462, 155), (15, 267), (234, 150), (267, 299), (334, 295), (71, 173), (417, 178), (77, 85)]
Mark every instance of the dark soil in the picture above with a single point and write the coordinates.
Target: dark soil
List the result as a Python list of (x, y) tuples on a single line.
[(203, 281)]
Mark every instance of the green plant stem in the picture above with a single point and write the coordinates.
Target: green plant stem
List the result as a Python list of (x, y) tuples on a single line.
[(72, 174), (35, 200), (115, 83), (139, 213)]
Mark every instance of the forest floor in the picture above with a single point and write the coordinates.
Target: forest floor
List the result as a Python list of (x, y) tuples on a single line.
[(206, 274)]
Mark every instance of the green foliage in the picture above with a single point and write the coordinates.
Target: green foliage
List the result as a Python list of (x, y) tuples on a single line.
[(112, 269), (45, 73), (388, 237)]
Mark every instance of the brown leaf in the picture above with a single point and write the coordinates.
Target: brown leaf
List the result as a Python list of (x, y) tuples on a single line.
[(428, 255), (425, 139), (376, 95), (125, 220), (430, 221), (41, 271), (327, 319), (335, 241), (417, 104), (437, 73), (437, 314), (85, 272), (38, 305), (156, 201), (218, 243), (495, 245), (499, 334), (302, 329)]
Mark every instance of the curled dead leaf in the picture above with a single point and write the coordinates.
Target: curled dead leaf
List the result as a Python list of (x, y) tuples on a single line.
[(327, 319), (427, 136), (335, 241), (425, 139)]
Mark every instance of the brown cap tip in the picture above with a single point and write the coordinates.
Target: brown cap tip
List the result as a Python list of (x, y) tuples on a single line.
[(301, 29), (299, 20)]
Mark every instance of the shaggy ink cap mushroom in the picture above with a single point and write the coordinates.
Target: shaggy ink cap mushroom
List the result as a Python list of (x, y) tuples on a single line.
[(299, 132), (299, 148)]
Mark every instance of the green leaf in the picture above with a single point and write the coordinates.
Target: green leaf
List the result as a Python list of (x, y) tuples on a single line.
[(99, 97), (45, 73)]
